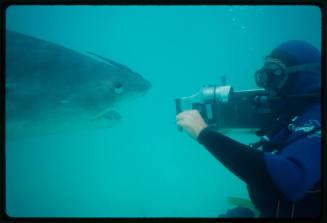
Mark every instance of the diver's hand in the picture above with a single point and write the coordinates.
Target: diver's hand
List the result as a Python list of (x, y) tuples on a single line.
[(192, 122)]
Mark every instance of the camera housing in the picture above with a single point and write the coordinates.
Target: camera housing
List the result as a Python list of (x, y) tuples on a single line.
[(223, 108)]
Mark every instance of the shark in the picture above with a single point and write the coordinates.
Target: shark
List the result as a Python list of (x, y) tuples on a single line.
[(52, 89)]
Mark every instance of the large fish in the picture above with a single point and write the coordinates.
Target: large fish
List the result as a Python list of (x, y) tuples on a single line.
[(51, 89)]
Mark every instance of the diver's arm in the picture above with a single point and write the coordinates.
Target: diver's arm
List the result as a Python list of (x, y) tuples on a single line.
[(246, 163)]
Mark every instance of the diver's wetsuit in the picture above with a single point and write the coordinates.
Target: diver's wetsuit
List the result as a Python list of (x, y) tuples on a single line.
[(284, 184)]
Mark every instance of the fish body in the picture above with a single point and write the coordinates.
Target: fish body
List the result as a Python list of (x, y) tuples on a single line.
[(52, 89)]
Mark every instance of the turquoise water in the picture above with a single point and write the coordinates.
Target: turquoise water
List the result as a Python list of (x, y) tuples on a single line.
[(143, 166)]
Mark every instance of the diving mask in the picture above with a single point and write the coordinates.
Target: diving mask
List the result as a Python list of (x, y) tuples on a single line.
[(274, 73)]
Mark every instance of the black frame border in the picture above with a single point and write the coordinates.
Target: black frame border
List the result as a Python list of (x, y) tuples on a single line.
[(6, 3)]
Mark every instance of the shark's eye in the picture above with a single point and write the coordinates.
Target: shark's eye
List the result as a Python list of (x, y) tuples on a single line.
[(118, 88)]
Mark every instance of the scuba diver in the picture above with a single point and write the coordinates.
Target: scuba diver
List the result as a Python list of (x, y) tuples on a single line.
[(282, 170)]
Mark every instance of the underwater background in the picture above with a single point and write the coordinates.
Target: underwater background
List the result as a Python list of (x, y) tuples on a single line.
[(143, 166)]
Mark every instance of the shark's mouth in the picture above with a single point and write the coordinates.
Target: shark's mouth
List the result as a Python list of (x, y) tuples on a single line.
[(107, 113)]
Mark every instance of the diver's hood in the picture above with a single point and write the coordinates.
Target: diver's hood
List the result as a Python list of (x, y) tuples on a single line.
[(294, 53)]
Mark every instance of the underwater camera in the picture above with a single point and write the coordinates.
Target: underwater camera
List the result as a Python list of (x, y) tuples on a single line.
[(223, 108)]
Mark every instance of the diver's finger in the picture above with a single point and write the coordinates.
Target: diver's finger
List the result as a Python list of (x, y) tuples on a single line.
[(184, 114), (181, 123), (181, 115)]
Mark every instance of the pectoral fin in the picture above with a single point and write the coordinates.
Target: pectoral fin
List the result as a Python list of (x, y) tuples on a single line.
[(108, 114), (241, 202)]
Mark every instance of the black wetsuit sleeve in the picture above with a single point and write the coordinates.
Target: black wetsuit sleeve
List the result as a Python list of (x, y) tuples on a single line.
[(246, 163)]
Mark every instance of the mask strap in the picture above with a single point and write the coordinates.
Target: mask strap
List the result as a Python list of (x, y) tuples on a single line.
[(312, 67)]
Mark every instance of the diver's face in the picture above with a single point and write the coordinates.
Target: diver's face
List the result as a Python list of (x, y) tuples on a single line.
[(271, 75)]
